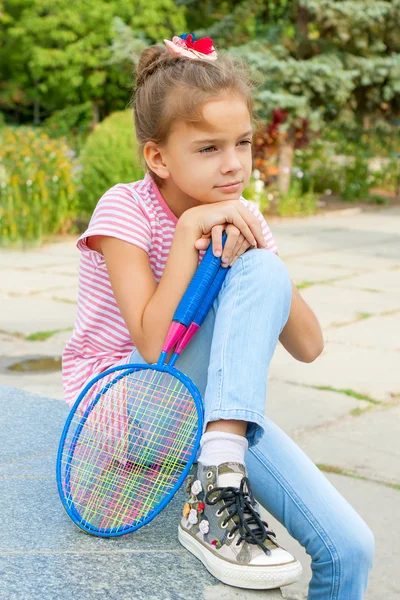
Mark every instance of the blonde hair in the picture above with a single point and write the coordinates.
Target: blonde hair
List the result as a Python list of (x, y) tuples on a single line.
[(175, 88)]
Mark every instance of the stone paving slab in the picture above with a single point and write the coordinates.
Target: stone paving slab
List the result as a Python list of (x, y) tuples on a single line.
[(381, 333), (385, 281), (68, 270), (345, 261), (367, 444), (298, 409), (38, 540), (300, 272), (362, 356), (378, 506), (32, 314), (333, 306), (44, 384), (64, 295), (33, 259), (39, 543), (377, 220), (361, 370), (26, 282), (64, 248), (11, 346)]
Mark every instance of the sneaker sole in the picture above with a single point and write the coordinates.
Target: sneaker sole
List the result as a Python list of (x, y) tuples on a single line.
[(242, 576)]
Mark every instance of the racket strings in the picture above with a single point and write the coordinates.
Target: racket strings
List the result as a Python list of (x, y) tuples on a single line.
[(136, 439)]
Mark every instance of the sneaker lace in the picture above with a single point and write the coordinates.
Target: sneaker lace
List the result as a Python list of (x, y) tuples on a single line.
[(239, 503)]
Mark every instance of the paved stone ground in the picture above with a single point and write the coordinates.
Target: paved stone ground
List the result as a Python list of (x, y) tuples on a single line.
[(343, 410)]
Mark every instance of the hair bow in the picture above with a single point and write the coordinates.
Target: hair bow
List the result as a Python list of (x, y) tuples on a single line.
[(186, 45)]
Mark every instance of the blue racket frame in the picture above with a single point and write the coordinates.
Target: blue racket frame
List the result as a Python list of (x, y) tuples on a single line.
[(193, 307)]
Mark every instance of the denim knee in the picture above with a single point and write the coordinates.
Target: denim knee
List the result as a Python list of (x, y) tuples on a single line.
[(352, 551), (259, 261), (360, 549), (271, 275)]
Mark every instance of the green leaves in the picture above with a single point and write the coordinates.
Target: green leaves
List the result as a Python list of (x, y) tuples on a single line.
[(60, 53)]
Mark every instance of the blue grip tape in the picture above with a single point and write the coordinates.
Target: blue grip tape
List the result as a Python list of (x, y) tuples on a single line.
[(199, 286), (211, 295)]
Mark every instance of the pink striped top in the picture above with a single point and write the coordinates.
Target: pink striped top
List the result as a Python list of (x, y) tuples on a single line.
[(136, 213)]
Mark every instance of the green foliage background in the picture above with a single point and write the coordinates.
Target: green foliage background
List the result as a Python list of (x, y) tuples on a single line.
[(67, 70)]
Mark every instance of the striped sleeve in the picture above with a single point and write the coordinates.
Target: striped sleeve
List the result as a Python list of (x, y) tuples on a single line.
[(119, 214), (269, 240)]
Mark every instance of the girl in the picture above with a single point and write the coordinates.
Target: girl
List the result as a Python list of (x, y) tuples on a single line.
[(194, 122)]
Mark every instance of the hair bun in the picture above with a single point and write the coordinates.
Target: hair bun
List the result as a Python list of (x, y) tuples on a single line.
[(149, 61)]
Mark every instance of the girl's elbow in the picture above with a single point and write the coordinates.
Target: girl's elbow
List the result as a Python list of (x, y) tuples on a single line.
[(314, 352)]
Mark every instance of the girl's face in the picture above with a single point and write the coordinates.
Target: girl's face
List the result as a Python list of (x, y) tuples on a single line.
[(195, 163)]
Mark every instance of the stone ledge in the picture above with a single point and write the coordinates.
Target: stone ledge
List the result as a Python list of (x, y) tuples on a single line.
[(43, 554)]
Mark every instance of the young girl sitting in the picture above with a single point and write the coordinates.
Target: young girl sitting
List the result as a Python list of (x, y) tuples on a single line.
[(194, 122)]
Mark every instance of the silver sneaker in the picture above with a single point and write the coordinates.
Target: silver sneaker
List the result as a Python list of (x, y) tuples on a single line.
[(222, 527)]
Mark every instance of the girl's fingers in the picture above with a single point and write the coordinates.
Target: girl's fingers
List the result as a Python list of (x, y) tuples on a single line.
[(236, 248), (202, 243), (245, 230), (252, 229), (233, 235), (216, 235), (240, 249)]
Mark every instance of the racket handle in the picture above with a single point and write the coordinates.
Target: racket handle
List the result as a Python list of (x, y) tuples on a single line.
[(202, 311), (194, 295)]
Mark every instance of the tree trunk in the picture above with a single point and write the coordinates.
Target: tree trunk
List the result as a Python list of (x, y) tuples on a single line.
[(366, 122), (398, 177), (36, 107), (95, 114), (304, 47), (36, 112), (285, 161)]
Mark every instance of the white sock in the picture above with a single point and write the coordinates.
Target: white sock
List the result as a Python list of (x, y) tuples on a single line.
[(217, 447)]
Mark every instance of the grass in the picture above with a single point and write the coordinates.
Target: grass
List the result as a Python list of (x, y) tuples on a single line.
[(346, 473), (360, 317), (356, 412), (15, 334), (41, 336), (348, 392)]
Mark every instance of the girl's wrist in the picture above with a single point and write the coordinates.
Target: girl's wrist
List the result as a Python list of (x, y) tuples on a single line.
[(187, 224)]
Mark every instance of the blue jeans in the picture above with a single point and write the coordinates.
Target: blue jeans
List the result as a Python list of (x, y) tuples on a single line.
[(228, 360)]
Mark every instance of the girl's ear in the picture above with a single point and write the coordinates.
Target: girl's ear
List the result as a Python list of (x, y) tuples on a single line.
[(155, 161)]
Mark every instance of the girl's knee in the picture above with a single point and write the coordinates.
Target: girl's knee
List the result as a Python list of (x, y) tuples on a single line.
[(361, 547), (353, 548), (266, 266), (260, 258)]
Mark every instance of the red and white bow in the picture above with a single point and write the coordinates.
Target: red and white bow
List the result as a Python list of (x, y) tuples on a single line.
[(202, 48)]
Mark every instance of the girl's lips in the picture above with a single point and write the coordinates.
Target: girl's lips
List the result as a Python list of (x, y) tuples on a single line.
[(229, 188)]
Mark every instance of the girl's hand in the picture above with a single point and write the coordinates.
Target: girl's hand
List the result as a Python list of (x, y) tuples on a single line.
[(236, 244), (208, 221)]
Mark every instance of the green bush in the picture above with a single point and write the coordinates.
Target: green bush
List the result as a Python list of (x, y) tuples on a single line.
[(352, 180), (72, 122), (109, 156), (296, 202), (37, 186), (254, 194)]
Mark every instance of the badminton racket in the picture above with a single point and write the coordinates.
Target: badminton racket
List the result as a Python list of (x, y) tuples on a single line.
[(134, 431)]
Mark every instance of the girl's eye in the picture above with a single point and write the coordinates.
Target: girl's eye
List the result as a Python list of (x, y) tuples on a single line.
[(204, 150)]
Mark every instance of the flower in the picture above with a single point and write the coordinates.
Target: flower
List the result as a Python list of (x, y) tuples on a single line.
[(216, 543), (196, 487), (200, 507), (204, 526), (185, 45), (186, 510), (192, 518)]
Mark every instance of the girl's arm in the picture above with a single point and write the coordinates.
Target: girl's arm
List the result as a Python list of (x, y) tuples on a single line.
[(302, 336), (147, 307)]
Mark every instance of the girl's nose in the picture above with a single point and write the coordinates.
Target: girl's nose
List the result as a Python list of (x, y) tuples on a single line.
[(230, 162)]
